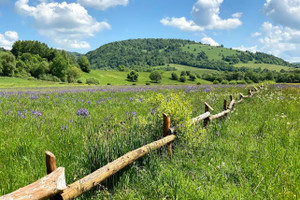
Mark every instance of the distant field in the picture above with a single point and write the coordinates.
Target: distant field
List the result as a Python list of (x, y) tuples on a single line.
[(213, 53), (264, 66), (6, 82), (119, 78)]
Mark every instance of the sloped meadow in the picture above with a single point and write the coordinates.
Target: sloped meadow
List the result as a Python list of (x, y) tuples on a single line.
[(254, 151)]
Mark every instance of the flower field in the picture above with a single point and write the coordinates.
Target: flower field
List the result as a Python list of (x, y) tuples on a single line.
[(253, 153)]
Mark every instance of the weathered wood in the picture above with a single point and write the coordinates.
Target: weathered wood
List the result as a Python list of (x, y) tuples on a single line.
[(206, 109), (225, 104), (231, 97), (231, 104), (43, 188), (200, 117), (221, 114), (85, 184), (50, 162), (166, 127)]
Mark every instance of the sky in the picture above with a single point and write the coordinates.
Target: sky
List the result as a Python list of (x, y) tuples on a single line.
[(270, 26)]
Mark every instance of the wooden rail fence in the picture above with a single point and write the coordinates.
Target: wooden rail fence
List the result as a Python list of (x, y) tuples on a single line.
[(54, 186)]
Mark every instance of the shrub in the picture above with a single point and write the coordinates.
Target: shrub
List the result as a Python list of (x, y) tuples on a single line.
[(80, 81), (192, 77), (147, 83), (216, 82), (174, 76), (182, 79), (241, 82), (92, 81), (108, 84), (225, 82), (233, 82), (133, 76), (155, 76), (198, 83)]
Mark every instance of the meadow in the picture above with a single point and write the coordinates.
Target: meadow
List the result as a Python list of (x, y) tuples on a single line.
[(252, 154)]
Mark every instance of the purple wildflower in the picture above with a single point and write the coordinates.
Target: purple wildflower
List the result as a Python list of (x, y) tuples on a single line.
[(133, 113), (82, 112), (64, 128)]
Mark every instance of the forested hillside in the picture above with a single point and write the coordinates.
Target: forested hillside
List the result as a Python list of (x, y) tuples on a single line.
[(142, 53), (35, 59)]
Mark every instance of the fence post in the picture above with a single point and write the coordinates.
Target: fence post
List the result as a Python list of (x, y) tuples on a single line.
[(51, 166), (206, 109), (167, 125), (231, 97), (225, 104)]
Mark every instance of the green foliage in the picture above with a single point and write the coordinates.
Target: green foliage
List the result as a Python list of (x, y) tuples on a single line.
[(174, 76), (192, 77), (84, 64), (73, 74), (225, 82), (7, 64), (133, 76), (182, 79), (156, 76), (92, 81), (59, 67), (216, 82)]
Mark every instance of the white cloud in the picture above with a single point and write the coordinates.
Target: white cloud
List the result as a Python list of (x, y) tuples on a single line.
[(103, 4), (7, 39), (256, 34), (205, 14), (181, 23), (209, 40), (252, 49), (283, 12), (66, 24), (280, 41)]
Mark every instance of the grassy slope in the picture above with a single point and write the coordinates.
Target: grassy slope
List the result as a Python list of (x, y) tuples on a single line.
[(119, 78), (264, 66)]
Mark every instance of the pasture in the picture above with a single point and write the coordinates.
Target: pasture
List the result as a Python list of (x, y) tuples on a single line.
[(252, 154)]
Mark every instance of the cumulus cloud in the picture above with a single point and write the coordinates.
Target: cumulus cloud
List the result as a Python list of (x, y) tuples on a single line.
[(280, 41), (66, 24), (7, 39), (252, 49), (181, 23), (209, 40), (283, 12), (205, 15), (103, 4)]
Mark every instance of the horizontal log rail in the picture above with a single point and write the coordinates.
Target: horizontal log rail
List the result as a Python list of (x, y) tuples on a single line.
[(54, 186), (43, 188), (93, 179)]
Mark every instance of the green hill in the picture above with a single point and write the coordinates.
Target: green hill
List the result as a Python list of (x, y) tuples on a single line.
[(141, 54)]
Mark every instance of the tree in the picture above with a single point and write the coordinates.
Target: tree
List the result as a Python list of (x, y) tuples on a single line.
[(73, 74), (174, 76), (84, 64), (59, 67), (155, 76), (182, 79), (192, 77), (133, 76), (7, 64)]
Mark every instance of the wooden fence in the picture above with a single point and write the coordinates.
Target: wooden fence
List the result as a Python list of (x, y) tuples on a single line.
[(54, 185)]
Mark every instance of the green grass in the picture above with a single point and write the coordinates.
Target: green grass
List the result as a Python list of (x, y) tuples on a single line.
[(6, 82), (252, 154), (213, 53), (264, 66), (119, 78)]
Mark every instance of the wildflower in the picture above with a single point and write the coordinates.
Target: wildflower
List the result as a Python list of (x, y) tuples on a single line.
[(82, 112), (133, 113), (64, 128), (71, 120), (89, 102), (217, 133), (141, 99), (36, 113)]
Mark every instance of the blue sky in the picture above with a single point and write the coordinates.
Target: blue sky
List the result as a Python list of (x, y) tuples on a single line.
[(271, 26)]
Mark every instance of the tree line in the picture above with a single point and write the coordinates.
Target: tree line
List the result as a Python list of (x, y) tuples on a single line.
[(35, 59)]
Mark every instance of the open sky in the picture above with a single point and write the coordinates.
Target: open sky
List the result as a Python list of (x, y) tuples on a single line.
[(270, 26)]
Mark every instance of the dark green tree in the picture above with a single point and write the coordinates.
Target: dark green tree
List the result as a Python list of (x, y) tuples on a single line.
[(174, 76), (7, 64), (133, 76), (73, 74), (155, 76), (84, 64)]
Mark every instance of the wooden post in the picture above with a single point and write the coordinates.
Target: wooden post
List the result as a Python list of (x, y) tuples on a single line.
[(231, 97), (206, 109), (50, 162), (51, 167), (250, 92), (225, 104), (167, 126)]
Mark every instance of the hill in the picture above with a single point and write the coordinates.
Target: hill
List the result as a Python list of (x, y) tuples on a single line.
[(144, 53)]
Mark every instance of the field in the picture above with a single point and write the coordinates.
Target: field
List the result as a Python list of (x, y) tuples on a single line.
[(252, 154), (264, 66)]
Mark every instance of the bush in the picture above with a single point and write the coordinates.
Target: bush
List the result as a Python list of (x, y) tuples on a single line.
[(155, 76), (182, 79), (49, 77), (147, 83), (174, 76), (80, 81), (232, 82), (92, 81), (225, 82), (108, 84), (192, 77), (198, 83), (133, 76), (241, 82), (216, 82)]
